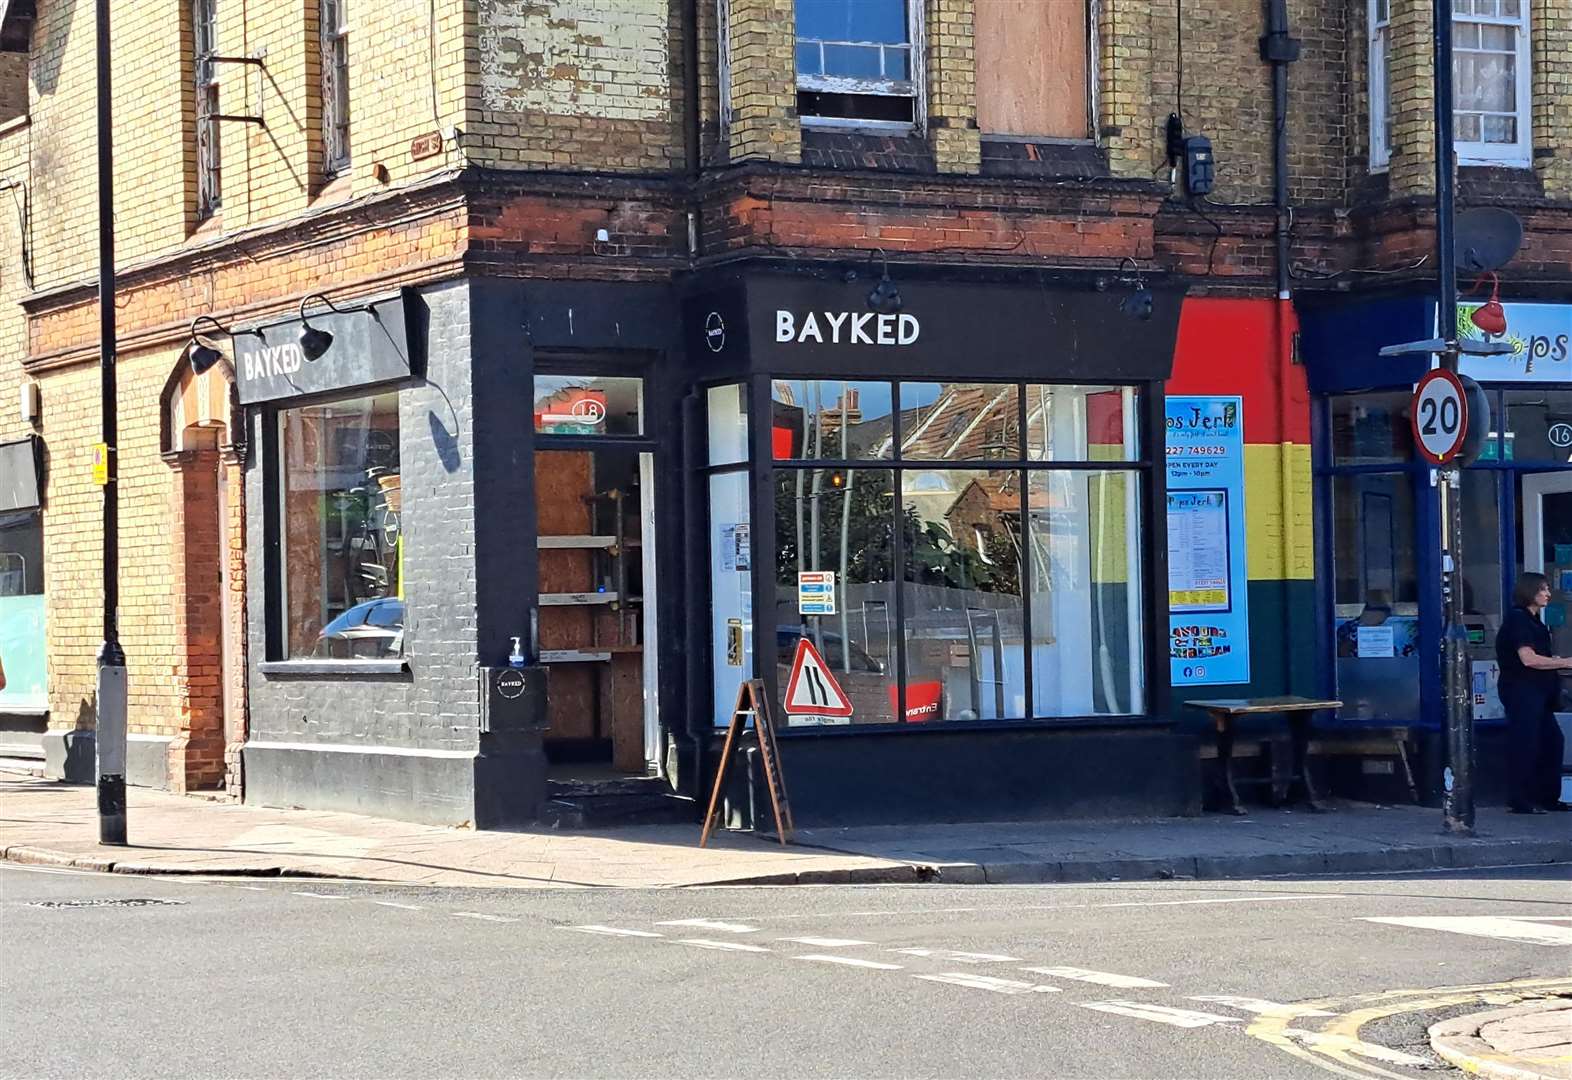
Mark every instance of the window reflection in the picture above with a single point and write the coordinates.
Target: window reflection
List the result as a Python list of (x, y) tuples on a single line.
[(830, 419), (960, 421), (1370, 429), (1087, 620), (1539, 425), (962, 595), (588, 405), (839, 520), (1081, 423), (343, 545)]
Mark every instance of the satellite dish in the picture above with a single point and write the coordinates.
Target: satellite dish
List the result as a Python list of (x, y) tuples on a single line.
[(1487, 238)]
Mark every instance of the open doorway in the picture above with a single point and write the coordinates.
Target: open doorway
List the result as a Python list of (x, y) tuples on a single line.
[(597, 632)]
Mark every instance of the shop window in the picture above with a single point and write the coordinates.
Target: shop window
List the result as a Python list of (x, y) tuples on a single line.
[(1082, 423), (830, 420), (204, 25), (333, 19), (963, 633), (728, 424), (588, 405), (1371, 429), (1376, 595), (858, 61), (1086, 593), (22, 637), (839, 520), (1539, 426), (342, 542), (1033, 74), (960, 421)]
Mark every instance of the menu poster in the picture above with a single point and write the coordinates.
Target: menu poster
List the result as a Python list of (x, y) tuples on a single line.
[(1208, 598)]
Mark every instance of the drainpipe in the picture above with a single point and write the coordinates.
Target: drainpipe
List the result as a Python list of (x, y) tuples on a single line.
[(1279, 49)]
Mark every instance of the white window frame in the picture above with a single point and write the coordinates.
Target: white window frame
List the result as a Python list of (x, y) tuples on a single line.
[(1379, 52), (916, 88), (335, 86), (1518, 153)]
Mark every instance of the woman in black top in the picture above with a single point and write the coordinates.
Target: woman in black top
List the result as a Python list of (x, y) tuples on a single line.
[(1529, 686)]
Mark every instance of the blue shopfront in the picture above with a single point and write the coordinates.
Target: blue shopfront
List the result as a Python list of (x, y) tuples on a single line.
[(1378, 513)]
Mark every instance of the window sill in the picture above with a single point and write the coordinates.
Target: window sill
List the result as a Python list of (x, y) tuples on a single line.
[(207, 228), (333, 668), (336, 188), (852, 124)]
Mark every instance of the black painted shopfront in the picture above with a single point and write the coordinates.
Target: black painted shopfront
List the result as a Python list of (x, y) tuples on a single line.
[(619, 486)]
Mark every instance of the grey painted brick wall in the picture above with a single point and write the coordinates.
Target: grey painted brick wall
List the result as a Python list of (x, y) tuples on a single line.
[(434, 706)]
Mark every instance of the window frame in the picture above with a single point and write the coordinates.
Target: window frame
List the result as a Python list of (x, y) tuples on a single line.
[(334, 62), (1144, 466), (1378, 40), (916, 39), (1378, 54), (206, 85), (277, 652), (1519, 153)]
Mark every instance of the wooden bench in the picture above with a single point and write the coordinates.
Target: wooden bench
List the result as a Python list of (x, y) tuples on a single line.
[(1275, 748)]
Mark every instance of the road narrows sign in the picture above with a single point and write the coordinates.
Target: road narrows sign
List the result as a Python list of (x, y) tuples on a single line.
[(1439, 416), (811, 690)]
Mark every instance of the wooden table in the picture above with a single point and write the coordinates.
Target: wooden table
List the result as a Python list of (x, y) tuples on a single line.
[(1298, 710)]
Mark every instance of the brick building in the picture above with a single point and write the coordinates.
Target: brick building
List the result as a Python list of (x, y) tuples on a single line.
[(639, 310)]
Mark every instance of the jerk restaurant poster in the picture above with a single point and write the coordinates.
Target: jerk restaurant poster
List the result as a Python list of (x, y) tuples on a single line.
[(1208, 616)]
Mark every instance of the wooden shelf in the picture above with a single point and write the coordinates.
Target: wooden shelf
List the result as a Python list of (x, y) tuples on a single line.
[(576, 542), (578, 599)]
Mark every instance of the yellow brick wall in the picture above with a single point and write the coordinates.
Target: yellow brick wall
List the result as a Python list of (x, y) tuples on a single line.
[(1550, 26), (761, 38), (73, 545), (577, 84), (13, 285), (952, 86)]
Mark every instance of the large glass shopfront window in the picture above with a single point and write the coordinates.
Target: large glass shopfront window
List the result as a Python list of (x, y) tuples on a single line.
[(983, 543), (343, 548)]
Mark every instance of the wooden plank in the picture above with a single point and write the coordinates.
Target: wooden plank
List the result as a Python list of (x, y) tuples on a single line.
[(577, 599), (1248, 706), (1032, 68), (571, 542), (574, 656)]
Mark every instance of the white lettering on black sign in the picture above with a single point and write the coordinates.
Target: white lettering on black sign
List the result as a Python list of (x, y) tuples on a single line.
[(846, 328), (271, 360)]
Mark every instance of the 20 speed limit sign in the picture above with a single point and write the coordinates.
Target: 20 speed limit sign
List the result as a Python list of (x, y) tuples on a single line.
[(1440, 416)]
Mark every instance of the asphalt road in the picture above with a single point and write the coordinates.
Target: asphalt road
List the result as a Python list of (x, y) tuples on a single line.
[(111, 975)]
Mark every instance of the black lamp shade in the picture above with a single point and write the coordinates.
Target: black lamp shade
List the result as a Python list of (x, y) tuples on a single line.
[(314, 342), (203, 357), (885, 297)]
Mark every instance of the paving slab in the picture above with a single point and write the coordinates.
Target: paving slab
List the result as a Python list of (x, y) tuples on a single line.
[(52, 823), (1526, 1042)]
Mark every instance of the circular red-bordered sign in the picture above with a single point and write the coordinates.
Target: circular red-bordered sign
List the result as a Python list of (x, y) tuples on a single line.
[(1439, 416)]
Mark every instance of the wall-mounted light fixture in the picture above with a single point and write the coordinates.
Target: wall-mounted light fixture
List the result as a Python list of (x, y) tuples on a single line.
[(202, 355), (314, 342), (1138, 305), (885, 298)]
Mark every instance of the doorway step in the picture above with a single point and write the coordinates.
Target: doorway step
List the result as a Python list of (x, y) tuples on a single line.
[(628, 800)]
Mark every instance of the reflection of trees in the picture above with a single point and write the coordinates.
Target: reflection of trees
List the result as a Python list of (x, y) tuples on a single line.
[(862, 501)]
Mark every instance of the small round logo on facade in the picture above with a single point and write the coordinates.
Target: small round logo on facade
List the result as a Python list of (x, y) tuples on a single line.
[(715, 332), (510, 683), (1561, 435), (589, 410)]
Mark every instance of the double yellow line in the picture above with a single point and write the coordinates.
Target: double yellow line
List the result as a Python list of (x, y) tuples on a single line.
[(1336, 1046)]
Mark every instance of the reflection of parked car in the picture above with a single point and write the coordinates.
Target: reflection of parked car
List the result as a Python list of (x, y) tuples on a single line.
[(369, 630), (829, 645)]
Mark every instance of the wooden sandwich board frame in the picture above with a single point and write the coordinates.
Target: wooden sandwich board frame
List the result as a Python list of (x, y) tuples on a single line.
[(752, 701)]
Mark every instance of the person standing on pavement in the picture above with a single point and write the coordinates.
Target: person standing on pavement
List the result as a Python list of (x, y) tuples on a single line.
[(1528, 688)]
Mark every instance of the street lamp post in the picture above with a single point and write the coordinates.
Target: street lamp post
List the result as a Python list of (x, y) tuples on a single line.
[(110, 738), (1457, 806)]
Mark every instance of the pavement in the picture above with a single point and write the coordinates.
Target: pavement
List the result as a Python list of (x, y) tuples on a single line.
[(1528, 1042), (51, 823)]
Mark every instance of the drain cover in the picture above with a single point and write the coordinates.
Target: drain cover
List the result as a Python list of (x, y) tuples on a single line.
[(127, 902)]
